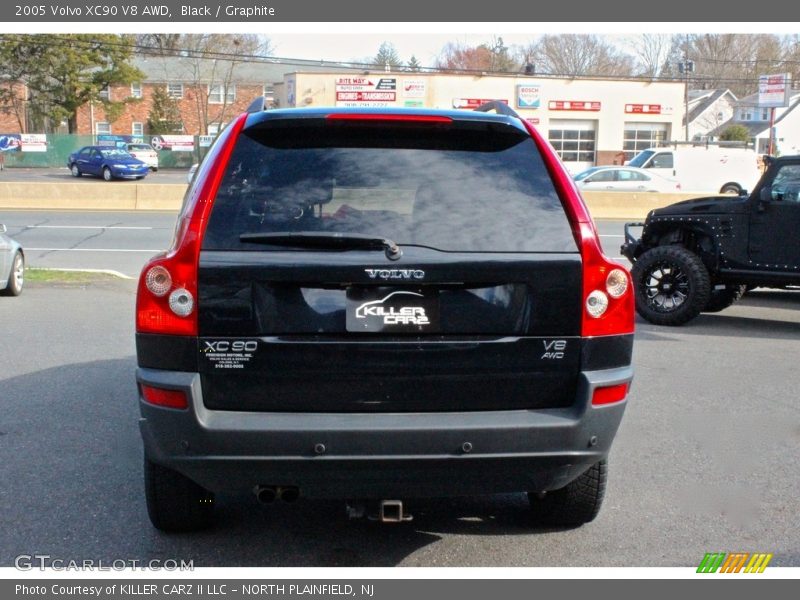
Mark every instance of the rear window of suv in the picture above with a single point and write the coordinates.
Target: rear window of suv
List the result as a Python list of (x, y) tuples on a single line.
[(476, 187)]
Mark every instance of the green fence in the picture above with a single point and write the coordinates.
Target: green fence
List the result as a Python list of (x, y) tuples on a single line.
[(60, 146)]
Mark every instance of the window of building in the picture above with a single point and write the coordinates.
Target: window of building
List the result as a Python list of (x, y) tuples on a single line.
[(765, 114), (215, 128), (574, 141), (137, 128), (102, 128), (105, 93), (218, 94), (136, 90), (175, 90), (640, 136)]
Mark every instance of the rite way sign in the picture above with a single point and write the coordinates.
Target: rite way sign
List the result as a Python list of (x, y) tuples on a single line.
[(365, 84)]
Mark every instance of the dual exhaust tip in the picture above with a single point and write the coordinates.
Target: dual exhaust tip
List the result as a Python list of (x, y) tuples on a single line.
[(267, 494)]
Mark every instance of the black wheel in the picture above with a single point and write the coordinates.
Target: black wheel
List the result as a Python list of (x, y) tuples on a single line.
[(175, 502), (575, 504), (672, 285), (16, 277), (731, 188), (107, 174), (76, 172), (722, 298)]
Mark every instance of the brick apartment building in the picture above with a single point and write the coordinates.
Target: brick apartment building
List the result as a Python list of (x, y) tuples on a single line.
[(209, 93)]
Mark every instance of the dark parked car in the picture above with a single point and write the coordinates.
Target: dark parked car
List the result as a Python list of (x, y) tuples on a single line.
[(107, 162), (701, 255), (380, 305)]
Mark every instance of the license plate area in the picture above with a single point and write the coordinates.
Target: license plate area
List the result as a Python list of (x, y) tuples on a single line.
[(392, 310)]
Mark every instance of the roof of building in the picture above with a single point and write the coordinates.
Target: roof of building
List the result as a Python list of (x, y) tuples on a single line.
[(758, 127), (161, 69), (703, 100)]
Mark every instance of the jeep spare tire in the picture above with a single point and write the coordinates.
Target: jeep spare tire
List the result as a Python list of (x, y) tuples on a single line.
[(672, 285)]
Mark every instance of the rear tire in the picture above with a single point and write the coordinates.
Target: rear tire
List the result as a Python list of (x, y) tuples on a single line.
[(575, 504), (107, 174), (721, 299), (76, 172), (16, 277), (175, 502), (672, 285), (731, 188)]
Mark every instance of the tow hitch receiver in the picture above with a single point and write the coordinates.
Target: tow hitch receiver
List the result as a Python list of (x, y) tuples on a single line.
[(386, 511), (392, 511)]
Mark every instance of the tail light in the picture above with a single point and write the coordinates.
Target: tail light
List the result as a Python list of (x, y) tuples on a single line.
[(608, 303), (610, 394), (162, 397), (166, 300)]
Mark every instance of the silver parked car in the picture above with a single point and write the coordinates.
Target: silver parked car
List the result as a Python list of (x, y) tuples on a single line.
[(12, 265), (624, 179)]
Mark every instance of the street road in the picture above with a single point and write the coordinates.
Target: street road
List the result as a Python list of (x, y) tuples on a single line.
[(707, 458), (62, 175), (123, 241)]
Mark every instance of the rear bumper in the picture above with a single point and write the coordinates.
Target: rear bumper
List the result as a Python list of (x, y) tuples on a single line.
[(380, 455)]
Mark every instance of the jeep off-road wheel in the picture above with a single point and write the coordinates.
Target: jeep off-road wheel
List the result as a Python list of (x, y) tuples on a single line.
[(672, 285), (722, 298), (731, 188), (576, 503), (175, 502), (16, 278)]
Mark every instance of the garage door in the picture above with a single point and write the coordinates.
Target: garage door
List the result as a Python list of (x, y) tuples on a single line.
[(640, 136), (575, 142)]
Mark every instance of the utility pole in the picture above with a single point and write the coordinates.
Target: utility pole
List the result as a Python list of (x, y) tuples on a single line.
[(685, 67)]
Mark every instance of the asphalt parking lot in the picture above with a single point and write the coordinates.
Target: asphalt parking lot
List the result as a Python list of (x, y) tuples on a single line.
[(706, 458)]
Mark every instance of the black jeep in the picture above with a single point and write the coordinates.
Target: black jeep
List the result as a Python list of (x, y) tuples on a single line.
[(701, 255)]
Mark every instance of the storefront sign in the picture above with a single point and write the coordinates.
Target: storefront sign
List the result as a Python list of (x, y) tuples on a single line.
[(643, 109), (528, 96), (578, 105), (365, 84), (366, 96), (414, 88)]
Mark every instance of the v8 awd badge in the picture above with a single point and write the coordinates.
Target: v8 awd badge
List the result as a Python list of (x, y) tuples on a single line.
[(554, 349)]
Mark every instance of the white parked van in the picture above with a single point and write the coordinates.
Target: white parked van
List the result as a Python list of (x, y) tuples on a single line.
[(704, 168)]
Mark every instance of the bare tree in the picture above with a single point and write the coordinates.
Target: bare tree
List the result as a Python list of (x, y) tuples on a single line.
[(650, 50), (210, 64), (569, 54), (493, 56)]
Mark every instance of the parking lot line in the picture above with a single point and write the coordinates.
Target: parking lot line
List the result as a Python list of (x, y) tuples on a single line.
[(92, 250), (83, 227)]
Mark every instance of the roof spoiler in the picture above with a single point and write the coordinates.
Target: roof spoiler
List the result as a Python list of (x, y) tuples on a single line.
[(257, 105), (501, 108)]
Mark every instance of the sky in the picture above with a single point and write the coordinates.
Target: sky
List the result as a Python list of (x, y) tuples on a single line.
[(353, 47)]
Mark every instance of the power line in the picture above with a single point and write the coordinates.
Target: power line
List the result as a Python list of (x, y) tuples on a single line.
[(145, 51)]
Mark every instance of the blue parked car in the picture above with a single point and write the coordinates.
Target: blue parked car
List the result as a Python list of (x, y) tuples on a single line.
[(107, 162)]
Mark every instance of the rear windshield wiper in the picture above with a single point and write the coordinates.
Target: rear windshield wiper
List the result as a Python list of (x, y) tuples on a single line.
[(331, 241)]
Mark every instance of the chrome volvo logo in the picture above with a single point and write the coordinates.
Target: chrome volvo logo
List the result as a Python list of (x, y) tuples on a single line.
[(395, 273)]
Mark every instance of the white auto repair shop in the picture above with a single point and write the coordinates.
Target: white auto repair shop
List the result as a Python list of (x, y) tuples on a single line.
[(588, 121)]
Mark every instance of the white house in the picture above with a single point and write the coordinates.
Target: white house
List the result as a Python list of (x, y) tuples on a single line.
[(756, 119), (708, 109)]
